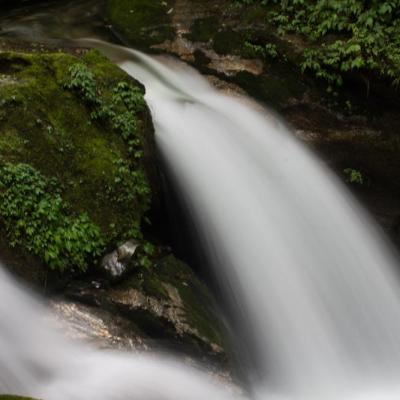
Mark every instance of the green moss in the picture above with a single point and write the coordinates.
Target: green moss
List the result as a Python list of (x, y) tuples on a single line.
[(10, 397), (51, 128), (142, 22), (11, 143), (198, 304)]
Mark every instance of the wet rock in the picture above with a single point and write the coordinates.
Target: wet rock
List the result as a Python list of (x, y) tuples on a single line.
[(119, 263), (101, 328), (167, 303), (107, 329)]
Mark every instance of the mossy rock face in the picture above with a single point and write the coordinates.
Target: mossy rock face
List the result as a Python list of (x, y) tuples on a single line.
[(49, 126), (142, 23), (173, 281), (166, 302), (10, 397)]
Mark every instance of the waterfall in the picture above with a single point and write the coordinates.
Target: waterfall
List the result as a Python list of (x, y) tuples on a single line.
[(312, 281)]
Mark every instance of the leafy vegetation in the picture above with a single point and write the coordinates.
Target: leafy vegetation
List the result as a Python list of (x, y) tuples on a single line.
[(354, 176), (36, 218), (83, 80), (132, 184), (342, 36), (146, 255), (269, 50), (120, 112)]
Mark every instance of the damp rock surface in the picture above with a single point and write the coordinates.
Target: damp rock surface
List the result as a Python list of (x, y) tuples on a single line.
[(167, 304)]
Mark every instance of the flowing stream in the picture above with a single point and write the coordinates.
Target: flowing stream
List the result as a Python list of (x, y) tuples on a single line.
[(311, 281)]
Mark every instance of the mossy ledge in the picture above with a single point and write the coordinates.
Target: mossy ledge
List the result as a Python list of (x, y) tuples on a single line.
[(166, 302), (62, 155), (10, 397), (142, 23)]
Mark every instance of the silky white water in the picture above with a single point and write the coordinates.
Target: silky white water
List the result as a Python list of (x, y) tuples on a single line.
[(311, 280), (37, 361)]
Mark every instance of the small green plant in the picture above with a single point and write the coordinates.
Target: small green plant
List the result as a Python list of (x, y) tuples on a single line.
[(36, 217), (354, 176), (132, 184), (130, 96), (83, 81), (269, 50), (146, 253)]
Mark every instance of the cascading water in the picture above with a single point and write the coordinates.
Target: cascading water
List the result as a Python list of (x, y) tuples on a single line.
[(305, 268), (37, 361), (311, 280)]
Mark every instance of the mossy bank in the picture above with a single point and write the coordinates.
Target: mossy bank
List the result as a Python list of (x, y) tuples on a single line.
[(10, 397)]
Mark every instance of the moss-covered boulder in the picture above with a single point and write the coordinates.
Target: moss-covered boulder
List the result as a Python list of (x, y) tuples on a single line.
[(75, 136), (76, 151), (142, 23)]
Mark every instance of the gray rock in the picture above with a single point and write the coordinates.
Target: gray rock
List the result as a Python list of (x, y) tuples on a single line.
[(117, 264), (127, 250), (99, 327)]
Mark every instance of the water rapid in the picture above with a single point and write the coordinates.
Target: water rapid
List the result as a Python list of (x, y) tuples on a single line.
[(310, 278)]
